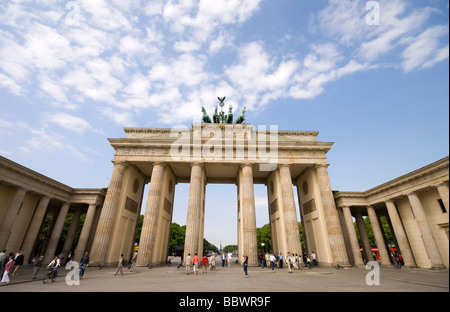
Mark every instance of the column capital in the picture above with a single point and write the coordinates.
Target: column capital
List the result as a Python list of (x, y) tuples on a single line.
[(197, 163), (242, 165), (120, 162), (439, 184), (390, 201), (322, 165)]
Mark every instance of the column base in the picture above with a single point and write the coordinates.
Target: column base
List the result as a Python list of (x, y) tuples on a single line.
[(438, 267)]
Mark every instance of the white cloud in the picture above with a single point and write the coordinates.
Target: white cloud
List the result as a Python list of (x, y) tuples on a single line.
[(187, 70), (43, 139), (67, 121), (201, 20), (10, 84), (122, 59), (423, 50), (186, 46), (53, 89), (257, 76), (103, 15), (344, 21)]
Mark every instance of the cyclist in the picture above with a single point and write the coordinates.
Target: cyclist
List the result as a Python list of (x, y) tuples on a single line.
[(395, 259), (84, 263), (54, 265)]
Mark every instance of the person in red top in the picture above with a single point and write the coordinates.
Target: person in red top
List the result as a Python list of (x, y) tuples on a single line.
[(204, 264), (195, 262)]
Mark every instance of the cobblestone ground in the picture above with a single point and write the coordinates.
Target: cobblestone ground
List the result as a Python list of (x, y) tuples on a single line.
[(227, 289), (224, 279)]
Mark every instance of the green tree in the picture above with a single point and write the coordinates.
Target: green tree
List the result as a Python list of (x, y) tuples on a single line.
[(177, 235), (230, 248), (389, 240), (207, 246), (139, 229), (263, 237)]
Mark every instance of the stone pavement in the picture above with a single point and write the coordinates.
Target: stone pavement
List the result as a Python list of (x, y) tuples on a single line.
[(227, 289), (223, 279)]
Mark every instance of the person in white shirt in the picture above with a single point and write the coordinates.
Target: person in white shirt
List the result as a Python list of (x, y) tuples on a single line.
[(272, 259), (54, 265), (288, 262), (314, 260)]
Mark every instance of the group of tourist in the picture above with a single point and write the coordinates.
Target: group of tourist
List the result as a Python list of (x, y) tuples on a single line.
[(13, 261), (293, 261), (10, 263), (270, 260), (194, 262)]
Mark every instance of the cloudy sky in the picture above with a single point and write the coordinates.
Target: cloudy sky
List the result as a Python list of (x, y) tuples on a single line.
[(371, 76)]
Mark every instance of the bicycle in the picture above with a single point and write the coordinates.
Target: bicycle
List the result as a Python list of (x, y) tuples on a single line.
[(81, 268), (396, 263), (51, 275)]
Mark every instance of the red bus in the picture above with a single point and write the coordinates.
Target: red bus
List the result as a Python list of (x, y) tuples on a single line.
[(376, 252)]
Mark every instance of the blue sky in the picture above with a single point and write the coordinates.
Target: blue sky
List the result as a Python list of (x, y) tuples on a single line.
[(371, 76)]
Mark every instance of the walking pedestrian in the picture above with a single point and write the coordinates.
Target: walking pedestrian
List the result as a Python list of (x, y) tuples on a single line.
[(188, 262), (308, 262), (120, 265), (212, 262), (204, 264), (18, 261), (133, 261), (2, 258), (195, 261), (224, 259), (299, 257), (289, 262), (314, 260), (267, 258), (8, 267), (37, 266), (245, 265), (272, 260), (280, 258), (84, 263), (229, 258), (294, 261)]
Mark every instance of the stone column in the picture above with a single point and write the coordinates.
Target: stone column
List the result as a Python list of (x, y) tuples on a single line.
[(195, 205), (33, 229), (376, 228), (84, 235), (290, 214), (443, 192), (247, 206), (71, 233), (334, 228), (354, 245), (10, 217), (56, 233), (427, 234), (107, 217), (400, 234), (367, 249), (148, 233)]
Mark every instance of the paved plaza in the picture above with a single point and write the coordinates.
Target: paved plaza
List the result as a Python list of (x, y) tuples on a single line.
[(167, 278)]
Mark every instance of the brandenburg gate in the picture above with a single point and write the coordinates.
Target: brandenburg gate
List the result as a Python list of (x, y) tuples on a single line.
[(238, 153), (415, 205)]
